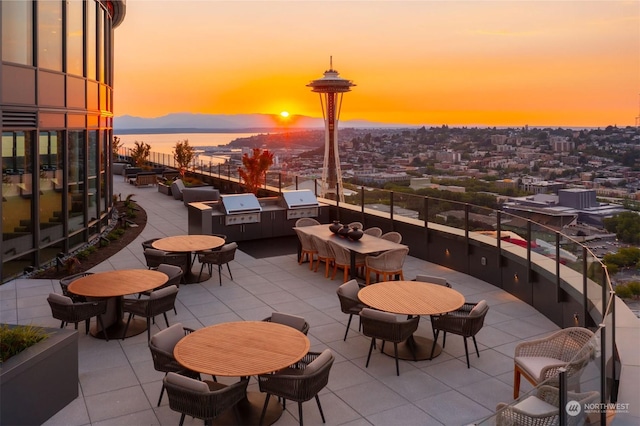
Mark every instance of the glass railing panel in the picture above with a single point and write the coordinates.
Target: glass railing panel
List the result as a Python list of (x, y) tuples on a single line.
[(446, 212), (356, 195), (408, 205)]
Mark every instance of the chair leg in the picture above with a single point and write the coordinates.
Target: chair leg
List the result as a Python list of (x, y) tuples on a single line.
[(370, 349), (229, 269), (348, 325), (435, 340), (61, 324), (181, 419), (264, 408), (220, 274), (148, 329), (300, 412), (320, 408), (200, 274), (166, 320), (476, 345), (516, 382), (126, 327), (161, 393), (466, 351), (86, 325), (395, 352), (444, 338)]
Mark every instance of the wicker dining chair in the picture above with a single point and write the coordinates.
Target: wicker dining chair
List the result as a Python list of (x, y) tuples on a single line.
[(204, 400), (306, 221), (220, 257), (433, 280), (161, 346), (293, 321), (394, 237), (349, 302), (324, 254), (465, 321), (64, 285), (300, 382), (307, 249), (63, 308), (542, 409), (388, 264), (539, 360), (155, 257), (356, 225), (341, 260), (149, 243), (158, 302), (374, 231), (386, 327)]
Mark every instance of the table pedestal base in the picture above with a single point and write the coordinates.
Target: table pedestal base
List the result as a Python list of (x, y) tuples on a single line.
[(192, 278), (415, 348), (115, 330), (249, 411)]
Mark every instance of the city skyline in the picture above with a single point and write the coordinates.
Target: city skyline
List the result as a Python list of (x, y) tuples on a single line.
[(419, 62)]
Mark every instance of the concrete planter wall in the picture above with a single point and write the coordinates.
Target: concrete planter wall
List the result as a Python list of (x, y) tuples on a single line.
[(41, 380)]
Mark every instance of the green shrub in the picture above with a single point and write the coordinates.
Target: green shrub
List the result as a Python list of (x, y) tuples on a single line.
[(14, 340), (84, 254), (112, 236)]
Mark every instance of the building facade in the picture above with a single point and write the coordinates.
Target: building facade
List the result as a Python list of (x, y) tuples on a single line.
[(56, 104)]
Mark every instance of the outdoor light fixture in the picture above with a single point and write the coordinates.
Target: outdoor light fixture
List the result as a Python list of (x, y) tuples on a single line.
[(515, 277), (446, 251)]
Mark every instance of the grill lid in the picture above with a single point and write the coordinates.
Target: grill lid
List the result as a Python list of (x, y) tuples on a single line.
[(240, 203), (299, 199)]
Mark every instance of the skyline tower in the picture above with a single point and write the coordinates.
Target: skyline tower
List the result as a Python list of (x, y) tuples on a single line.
[(331, 88)]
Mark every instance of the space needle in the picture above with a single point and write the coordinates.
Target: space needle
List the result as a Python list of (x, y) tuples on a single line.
[(330, 88)]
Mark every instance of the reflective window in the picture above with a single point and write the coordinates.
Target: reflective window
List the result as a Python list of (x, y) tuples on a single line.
[(92, 175), (75, 37), (91, 40), (50, 35), (51, 155), (76, 176), (104, 158), (17, 193), (100, 44), (17, 38)]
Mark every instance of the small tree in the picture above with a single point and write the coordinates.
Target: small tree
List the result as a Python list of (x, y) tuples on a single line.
[(140, 153), (255, 168), (183, 155), (116, 145)]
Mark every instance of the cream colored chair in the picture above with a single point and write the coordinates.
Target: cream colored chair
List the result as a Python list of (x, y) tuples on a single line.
[(324, 254), (373, 231), (392, 236), (388, 264), (307, 249), (342, 260)]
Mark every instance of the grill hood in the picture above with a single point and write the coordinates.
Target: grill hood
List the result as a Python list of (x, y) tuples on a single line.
[(240, 203), (299, 199)]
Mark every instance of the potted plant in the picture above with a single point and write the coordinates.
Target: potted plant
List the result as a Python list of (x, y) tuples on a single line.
[(164, 186), (38, 372)]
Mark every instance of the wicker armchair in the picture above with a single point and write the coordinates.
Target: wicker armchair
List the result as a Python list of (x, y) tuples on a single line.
[(324, 254), (306, 221), (542, 409), (386, 327), (161, 346), (342, 260), (373, 231), (204, 400), (149, 243), (159, 302), (64, 285), (356, 225), (539, 360), (349, 302), (306, 248), (300, 382), (466, 322), (433, 280), (64, 309), (218, 257), (388, 264), (293, 321), (392, 236), (155, 258)]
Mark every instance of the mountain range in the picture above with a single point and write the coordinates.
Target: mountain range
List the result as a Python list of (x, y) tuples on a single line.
[(180, 122)]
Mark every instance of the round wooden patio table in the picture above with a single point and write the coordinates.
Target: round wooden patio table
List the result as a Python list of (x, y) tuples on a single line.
[(242, 349), (412, 298), (113, 285), (189, 244)]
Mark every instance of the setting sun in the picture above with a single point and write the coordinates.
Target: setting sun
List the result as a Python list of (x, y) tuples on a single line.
[(284, 114)]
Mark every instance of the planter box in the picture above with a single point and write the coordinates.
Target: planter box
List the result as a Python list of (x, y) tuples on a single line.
[(164, 189), (41, 380)]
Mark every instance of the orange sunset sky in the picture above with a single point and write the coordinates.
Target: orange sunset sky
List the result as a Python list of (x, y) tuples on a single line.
[(495, 63)]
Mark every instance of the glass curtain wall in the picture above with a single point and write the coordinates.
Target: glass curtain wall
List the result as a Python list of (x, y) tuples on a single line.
[(76, 175), (17, 32), (75, 37), (51, 213), (50, 35)]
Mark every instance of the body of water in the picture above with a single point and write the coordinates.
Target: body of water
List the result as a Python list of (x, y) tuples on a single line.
[(162, 144)]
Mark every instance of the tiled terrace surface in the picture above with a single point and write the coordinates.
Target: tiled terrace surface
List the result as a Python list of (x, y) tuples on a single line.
[(119, 386)]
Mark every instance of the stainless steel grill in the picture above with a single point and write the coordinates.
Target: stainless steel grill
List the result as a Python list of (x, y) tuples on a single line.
[(241, 208), (300, 203)]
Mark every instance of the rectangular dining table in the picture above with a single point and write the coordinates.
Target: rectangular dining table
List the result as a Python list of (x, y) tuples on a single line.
[(412, 298), (243, 349), (366, 245)]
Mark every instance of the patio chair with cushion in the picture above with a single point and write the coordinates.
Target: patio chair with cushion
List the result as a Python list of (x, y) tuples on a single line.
[(293, 321), (65, 310), (349, 302), (394, 237), (306, 221), (307, 249), (342, 260), (161, 346), (388, 264), (64, 285), (159, 302), (373, 231), (465, 321), (155, 257), (324, 254), (220, 257), (300, 382), (386, 327), (149, 243), (432, 280), (541, 409), (204, 400), (174, 277), (539, 360)]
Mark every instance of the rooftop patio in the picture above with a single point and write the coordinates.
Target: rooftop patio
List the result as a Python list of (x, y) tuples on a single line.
[(118, 384)]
